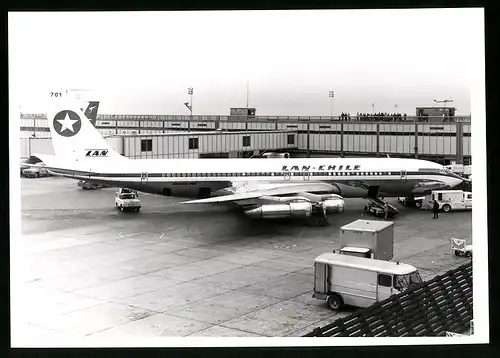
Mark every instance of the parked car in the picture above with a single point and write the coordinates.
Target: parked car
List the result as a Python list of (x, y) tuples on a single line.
[(35, 172), (27, 162), (126, 199), (86, 185)]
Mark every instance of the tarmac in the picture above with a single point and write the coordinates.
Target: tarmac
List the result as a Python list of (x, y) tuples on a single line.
[(85, 269)]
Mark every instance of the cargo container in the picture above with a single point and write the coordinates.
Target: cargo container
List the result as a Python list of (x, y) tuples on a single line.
[(368, 238)]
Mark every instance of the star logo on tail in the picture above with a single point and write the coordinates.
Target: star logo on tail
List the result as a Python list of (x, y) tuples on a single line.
[(67, 123)]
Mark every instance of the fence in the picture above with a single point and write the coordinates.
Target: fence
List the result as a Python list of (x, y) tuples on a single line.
[(432, 308)]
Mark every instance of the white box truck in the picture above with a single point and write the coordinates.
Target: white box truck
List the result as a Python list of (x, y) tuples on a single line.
[(358, 281), (368, 238), (452, 199)]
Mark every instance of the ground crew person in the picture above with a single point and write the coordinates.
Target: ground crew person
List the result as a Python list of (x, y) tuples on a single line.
[(435, 208), (386, 210)]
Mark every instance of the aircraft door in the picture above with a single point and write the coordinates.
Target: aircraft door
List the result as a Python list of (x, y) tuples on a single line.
[(404, 176), (306, 174), (144, 177), (286, 175)]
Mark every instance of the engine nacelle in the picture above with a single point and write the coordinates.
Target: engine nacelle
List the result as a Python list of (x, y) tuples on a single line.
[(334, 205), (279, 211)]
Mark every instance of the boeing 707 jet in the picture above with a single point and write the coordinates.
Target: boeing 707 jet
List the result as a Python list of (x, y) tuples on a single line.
[(262, 188)]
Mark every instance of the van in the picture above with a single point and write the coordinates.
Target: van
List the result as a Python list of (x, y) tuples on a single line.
[(452, 199), (358, 281)]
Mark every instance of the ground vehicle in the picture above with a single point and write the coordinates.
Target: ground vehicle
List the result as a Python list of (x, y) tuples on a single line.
[(35, 172), (452, 199), (368, 238), (377, 207), (26, 162), (412, 201), (460, 248), (358, 281), (126, 199), (86, 185)]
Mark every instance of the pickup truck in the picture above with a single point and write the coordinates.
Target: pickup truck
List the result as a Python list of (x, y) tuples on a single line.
[(127, 200)]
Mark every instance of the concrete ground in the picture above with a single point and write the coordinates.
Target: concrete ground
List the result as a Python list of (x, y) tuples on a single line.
[(87, 269)]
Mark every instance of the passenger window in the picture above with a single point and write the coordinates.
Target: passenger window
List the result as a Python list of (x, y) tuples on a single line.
[(384, 280)]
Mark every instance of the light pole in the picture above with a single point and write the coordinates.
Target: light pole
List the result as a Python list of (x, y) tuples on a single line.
[(189, 105), (29, 145), (331, 94), (373, 107)]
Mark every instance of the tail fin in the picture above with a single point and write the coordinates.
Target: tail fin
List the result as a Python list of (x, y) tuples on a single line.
[(91, 111), (73, 136)]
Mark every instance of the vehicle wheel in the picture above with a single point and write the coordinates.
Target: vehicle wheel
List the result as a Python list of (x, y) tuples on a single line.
[(446, 208), (457, 253), (468, 254), (121, 208), (335, 302), (94, 186), (418, 204), (37, 175), (137, 209)]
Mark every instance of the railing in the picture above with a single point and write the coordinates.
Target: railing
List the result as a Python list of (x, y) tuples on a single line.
[(313, 119), (432, 308)]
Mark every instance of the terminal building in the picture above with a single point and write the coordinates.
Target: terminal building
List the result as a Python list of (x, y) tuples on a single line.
[(243, 134)]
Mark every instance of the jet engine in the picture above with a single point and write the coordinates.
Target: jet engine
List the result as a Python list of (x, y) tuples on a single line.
[(333, 205), (279, 211), (298, 210)]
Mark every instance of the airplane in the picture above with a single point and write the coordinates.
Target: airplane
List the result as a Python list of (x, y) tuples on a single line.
[(263, 188)]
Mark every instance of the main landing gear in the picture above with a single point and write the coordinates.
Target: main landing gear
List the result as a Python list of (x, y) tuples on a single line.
[(319, 217)]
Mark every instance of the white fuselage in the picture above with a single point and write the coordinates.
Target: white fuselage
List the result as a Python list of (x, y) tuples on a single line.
[(185, 177)]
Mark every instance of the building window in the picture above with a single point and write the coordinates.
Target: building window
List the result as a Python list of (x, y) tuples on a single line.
[(291, 139), (246, 141), (146, 145), (193, 143), (384, 280)]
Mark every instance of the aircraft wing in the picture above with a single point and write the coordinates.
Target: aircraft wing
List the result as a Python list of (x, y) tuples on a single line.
[(267, 194), (427, 187)]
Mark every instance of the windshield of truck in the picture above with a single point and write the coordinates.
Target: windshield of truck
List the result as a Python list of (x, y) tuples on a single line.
[(404, 282), (127, 196)]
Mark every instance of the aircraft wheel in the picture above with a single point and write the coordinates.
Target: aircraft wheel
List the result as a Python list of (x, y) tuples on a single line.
[(446, 208), (335, 302), (37, 175), (418, 204)]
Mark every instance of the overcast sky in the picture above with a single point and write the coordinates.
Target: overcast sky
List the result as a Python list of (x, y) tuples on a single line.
[(143, 62)]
